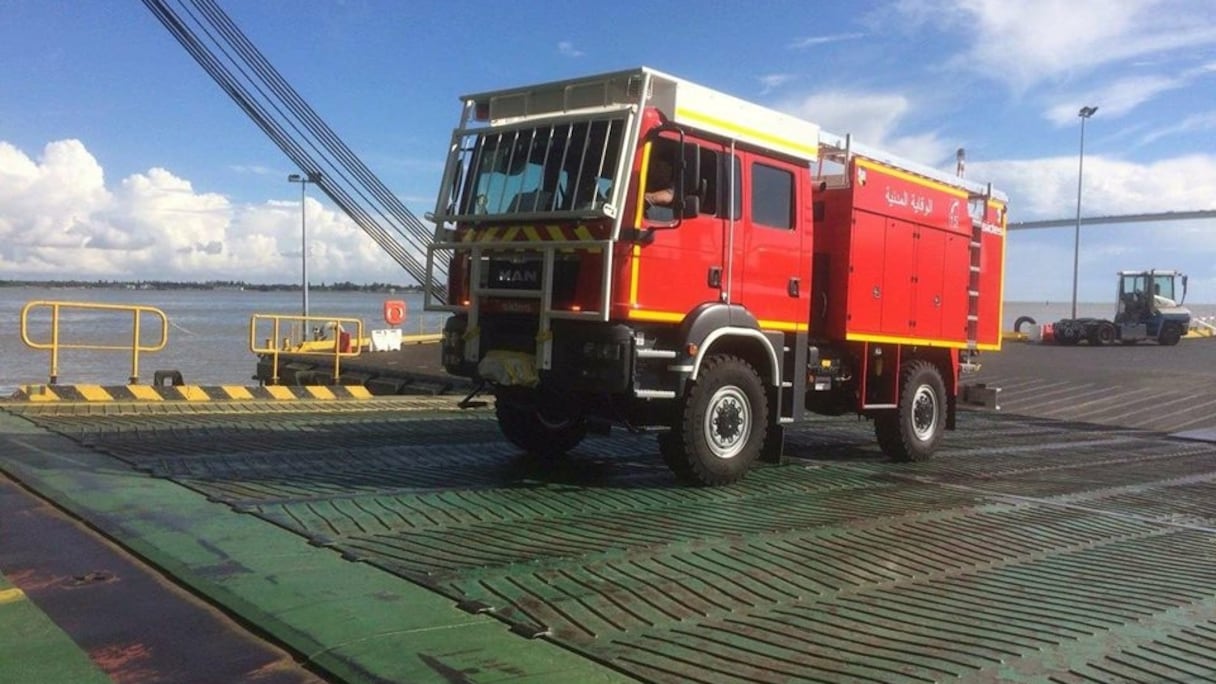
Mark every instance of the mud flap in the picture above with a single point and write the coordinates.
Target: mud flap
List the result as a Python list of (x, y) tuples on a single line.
[(774, 445)]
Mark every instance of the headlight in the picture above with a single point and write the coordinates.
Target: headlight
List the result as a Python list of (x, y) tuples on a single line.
[(601, 351)]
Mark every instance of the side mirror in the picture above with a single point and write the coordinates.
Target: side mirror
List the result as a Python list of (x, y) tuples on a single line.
[(1183, 290)]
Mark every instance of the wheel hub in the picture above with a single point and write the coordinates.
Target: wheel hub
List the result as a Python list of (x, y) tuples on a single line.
[(924, 413), (727, 422)]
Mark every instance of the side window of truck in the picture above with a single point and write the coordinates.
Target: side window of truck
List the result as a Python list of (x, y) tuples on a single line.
[(772, 196)]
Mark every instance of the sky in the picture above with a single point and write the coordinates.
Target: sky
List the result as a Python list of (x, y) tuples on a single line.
[(120, 159)]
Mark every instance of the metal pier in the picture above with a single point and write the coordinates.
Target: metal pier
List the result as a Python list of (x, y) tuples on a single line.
[(1030, 550)]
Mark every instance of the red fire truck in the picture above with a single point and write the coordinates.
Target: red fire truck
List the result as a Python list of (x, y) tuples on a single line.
[(636, 250)]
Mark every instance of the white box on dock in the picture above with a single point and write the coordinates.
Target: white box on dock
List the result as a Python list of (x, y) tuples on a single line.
[(386, 340)]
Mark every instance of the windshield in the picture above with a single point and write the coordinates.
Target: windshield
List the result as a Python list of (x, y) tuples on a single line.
[(559, 168), (1153, 284)]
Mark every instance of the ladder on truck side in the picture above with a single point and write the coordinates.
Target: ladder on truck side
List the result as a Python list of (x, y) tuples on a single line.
[(979, 224)]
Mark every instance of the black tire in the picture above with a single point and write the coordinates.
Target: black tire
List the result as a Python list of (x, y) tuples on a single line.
[(671, 448), (912, 431), (1170, 335), (1100, 334), (724, 423), (1068, 335), (548, 437), (1017, 325)]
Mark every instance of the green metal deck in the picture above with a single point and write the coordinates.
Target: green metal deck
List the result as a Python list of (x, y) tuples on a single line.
[(1029, 550)]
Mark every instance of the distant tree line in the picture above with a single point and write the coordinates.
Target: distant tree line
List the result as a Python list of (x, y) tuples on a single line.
[(345, 286)]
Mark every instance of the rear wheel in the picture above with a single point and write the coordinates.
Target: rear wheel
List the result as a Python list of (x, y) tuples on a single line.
[(721, 430), (1068, 334), (539, 430), (913, 430)]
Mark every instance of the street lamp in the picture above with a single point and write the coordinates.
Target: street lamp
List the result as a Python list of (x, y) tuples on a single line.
[(313, 177), (1085, 113)]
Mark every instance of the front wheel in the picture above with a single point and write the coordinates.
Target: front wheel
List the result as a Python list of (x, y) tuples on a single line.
[(545, 433), (1103, 333), (722, 428), (1170, 335), (912, 431)]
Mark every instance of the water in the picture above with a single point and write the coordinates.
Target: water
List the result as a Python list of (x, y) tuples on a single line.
[(208, 337)]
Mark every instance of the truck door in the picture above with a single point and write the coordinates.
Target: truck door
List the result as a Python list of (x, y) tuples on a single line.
[(770, 269), (682, 262)]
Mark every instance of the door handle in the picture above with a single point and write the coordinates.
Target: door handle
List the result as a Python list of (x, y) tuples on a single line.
[(793, 287), (715, 276)]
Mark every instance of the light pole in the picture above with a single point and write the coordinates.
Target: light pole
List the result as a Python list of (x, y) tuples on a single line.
[(313, 177), (1085, 113)]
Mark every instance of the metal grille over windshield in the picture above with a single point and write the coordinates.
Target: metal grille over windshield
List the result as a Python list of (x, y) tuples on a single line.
[(565, 168)]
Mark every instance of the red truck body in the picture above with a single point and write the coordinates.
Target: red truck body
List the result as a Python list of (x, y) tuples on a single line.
[(793, 272)]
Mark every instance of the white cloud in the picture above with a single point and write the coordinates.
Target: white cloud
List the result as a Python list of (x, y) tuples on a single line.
[(567, 49), (59, 220), (872, 119), (1040, 261), (1191, 124), (1125, 94), (1047, 188), (1025, 43), (812, 41), (770, 82)]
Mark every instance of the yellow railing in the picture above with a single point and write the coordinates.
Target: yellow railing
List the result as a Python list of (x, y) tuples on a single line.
[(290, 340), (54, 345)]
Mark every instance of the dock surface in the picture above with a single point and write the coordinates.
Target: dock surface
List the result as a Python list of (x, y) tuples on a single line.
[(402, 539)]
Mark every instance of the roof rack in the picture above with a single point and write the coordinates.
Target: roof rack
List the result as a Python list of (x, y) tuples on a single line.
[(840, 149)]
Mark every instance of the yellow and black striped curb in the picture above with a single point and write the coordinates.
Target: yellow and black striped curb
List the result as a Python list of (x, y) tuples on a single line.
[(99, 393)]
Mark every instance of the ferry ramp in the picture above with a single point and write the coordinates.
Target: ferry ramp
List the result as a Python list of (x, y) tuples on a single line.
[(1030, 550)]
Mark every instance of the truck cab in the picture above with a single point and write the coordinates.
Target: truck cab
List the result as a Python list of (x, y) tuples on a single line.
[(1149, 306)]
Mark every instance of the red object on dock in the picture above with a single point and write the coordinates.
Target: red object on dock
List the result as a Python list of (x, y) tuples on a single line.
[(394, 312)]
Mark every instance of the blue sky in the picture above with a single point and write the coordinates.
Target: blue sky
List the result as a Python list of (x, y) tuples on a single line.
[(120, 158)]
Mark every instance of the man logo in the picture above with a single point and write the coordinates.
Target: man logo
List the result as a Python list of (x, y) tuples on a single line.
[(518, 276)]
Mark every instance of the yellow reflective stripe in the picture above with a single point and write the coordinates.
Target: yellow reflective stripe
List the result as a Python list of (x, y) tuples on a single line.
[(280, 392), (11, 595), (555, 232), (891, 339), (319, 391), (40, 393), (635, 267), (641, 210), (94, 393), (746, 131), (145, 393), (192, 393), (531, 234), (583, 233), (659, 316), (911, 177), (789, 326), (358, 392), (237, 392)]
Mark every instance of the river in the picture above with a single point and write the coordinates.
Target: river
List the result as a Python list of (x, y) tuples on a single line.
[(208, 337)]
